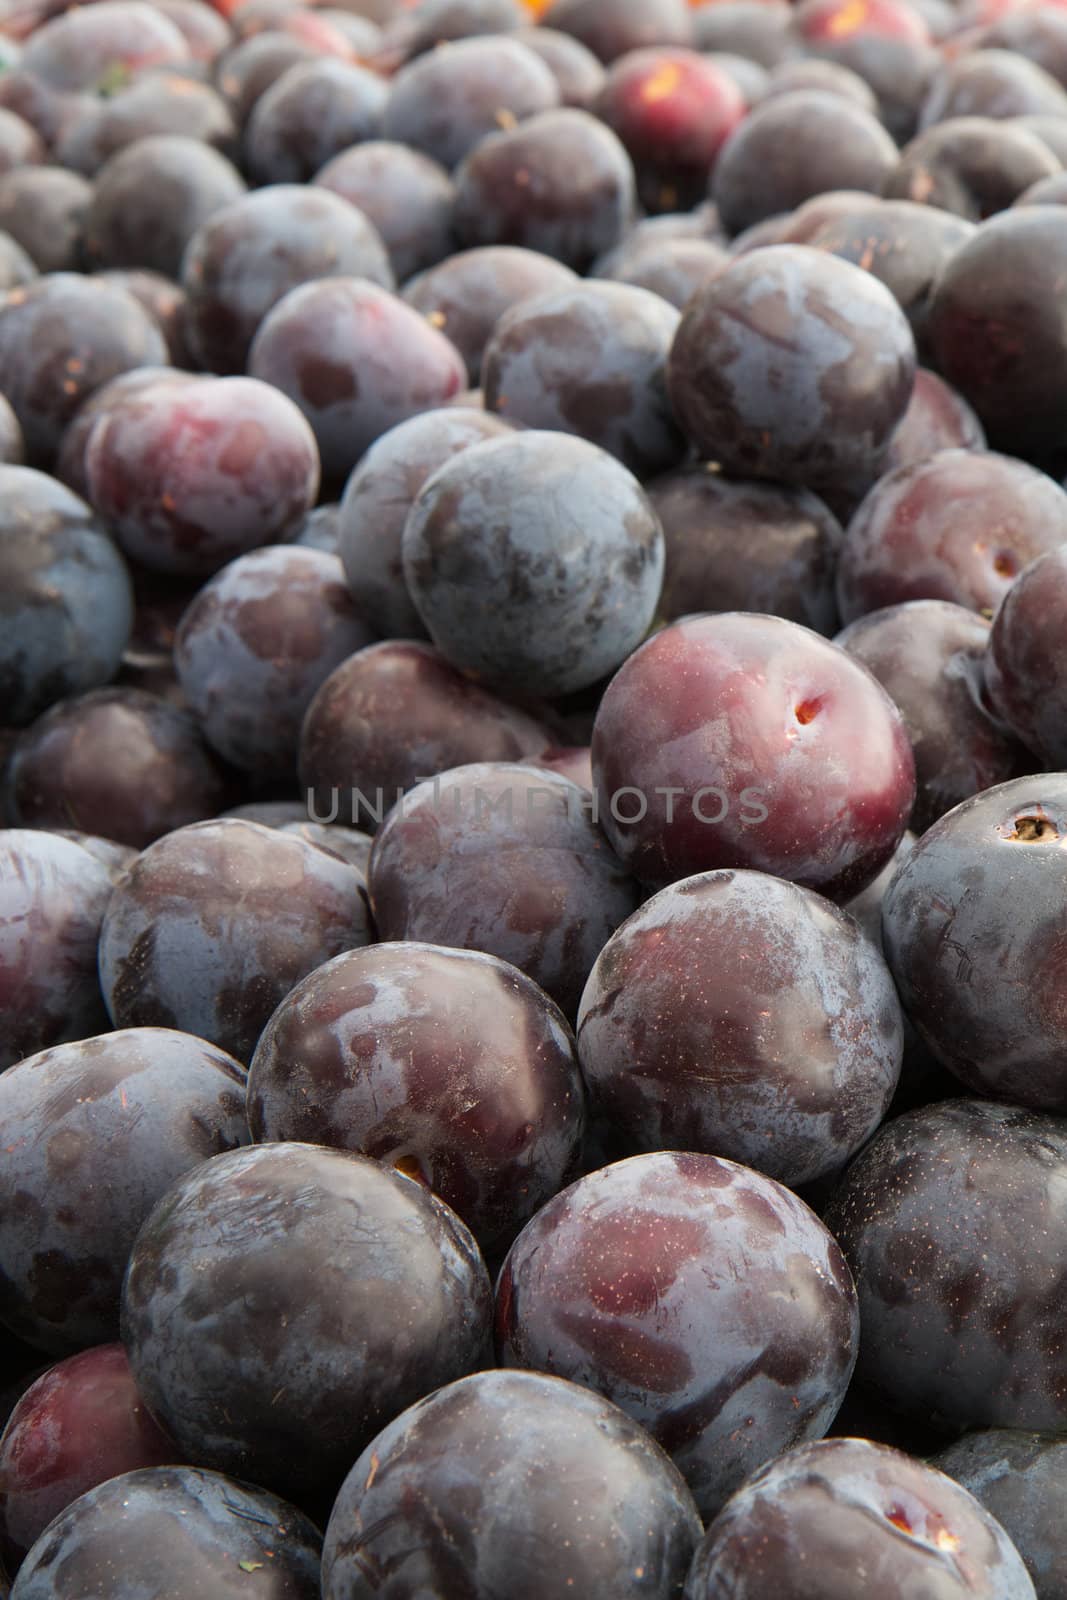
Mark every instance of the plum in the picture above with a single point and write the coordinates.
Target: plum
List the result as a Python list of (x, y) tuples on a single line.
[(506, 859), (289, 1291), (43, 211), (839, 1518), (356, 360), (61, 337), (1021, 1478), (66, 599), (215, 923), (980, 894), (741, 740), (1025, 666), (191, 477), (961, 1325), (970, 167), (560, 182), (534, 557), (77, 1425), (706, 1300), (449, 1064), (53, 894), (355, 764), (376, 502), (446, 101), (205, 1533), (122, 764), (254, 647), (407, 195), (311, 113), (928, 655), (453, 1496), (95, 1131), (742, 1016), (789, 537), (589, 359), (769, 378), (466, 294), (959, 526)]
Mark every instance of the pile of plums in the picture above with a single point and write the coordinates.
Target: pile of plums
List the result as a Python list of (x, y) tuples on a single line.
[(533, 799)]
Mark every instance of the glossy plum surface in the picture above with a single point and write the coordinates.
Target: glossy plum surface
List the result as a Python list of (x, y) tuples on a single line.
[(215, 923), (743, 1016), (61, 337), (534, 559), (957, 526), (190, 478), (789, 538), (246, 257), (466, 295), (371, 1293), (505, 859), (377, 499), (704, 1299), (831, 1518), (1021, 1478), (770, 378), (1026, 665), (355, 765), (757, 744), (929, 655), (449, 1064), (589, 359), (980, 893), (119, 763), (65, 597), (255, 645), (452, 1496), (356, 360), (53, 894), (96, 1130), (209, 1534), (961, 1325), (79, 1424), (311, 113)]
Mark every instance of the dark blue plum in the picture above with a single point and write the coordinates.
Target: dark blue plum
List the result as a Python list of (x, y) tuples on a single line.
[(376, 503), (311, 113), (198, 1532), (589, 359), (845, 1517), (449, 1064), (407, 195), (95, 1132), (53, 895), (66, 600), (255, 645), (61, 337), (355, 764), (1021, 1478), (771, 378), (290, 1293), (561, 182), (452, 1498), (741, 1015), (505, 859), (535, 561), (213, 925), (949, 1220)]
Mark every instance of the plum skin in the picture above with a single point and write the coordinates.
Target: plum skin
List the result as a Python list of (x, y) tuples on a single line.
[(660, 1281), (742, 740), (453, 1496), (981, 893), (368, 1293), (710, 1022)]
